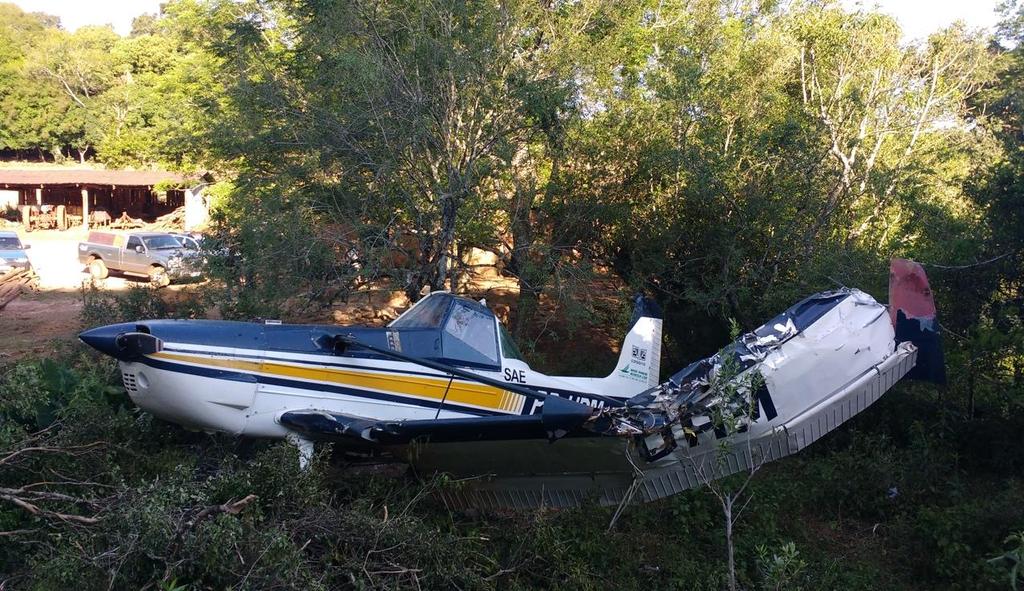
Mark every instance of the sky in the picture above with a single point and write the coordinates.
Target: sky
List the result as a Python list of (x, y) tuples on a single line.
[(75, 13), (917, 17)]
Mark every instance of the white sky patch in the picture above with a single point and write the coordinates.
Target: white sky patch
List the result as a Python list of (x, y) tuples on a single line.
[(76, 13), (920, 18)]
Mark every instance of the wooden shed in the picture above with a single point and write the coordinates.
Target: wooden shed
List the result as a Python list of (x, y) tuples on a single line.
[(87, 191)]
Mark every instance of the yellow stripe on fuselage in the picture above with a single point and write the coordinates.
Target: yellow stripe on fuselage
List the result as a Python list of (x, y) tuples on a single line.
[(477, 395)]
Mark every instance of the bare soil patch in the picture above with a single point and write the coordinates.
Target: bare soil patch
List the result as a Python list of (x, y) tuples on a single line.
[(38, 322)]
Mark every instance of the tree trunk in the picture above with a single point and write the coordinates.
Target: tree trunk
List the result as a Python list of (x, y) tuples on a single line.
[(727, 503), (519, 260), (970, 389), (449, 209), (423, 265)]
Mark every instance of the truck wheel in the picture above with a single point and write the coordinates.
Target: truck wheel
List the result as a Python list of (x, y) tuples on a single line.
[(158, 276), (98, 269)]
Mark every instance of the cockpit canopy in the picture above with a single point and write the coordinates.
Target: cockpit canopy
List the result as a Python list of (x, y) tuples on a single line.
[(467, 331)]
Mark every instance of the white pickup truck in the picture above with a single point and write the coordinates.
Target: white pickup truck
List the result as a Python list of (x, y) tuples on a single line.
[(157, 255)]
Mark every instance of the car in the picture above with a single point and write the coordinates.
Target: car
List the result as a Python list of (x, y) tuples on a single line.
[(189, 240), (12, 252), (157, 255)]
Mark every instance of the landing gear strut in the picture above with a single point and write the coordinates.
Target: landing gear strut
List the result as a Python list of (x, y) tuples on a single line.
[(305, 447)]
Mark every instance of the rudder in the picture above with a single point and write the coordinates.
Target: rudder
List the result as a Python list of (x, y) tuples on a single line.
[(640, 358), (913, 314)]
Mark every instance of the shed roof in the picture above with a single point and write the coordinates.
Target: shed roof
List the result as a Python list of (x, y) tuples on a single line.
[(56, 176)]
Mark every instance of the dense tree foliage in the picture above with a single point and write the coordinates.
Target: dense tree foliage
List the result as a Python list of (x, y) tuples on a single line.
[(726, 157), (136, 100)]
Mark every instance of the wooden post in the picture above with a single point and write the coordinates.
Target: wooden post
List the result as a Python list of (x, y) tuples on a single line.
[(62, 217), (85, 208), (39, 196)]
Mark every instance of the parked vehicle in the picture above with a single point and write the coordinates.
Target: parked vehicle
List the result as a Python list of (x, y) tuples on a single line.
[(157, 255), (12, 252), (190, 240)]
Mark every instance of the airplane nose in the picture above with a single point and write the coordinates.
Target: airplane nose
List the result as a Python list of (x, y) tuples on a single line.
[(105, 339)]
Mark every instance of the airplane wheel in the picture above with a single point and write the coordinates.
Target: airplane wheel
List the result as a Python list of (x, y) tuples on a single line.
[(158, 277), (98, 269)]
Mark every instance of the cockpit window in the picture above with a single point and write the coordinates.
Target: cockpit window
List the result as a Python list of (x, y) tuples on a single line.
[(508, 346), (428, 313), (469, 336), (465, 330)]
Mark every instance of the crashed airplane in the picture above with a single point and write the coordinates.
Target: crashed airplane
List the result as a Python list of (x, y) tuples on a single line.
[(444, 388)]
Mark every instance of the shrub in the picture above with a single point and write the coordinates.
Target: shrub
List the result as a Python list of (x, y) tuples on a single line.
[(137, 302)]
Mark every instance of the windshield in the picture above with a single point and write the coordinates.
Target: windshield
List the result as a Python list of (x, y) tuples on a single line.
[(9, 243), (428, 313), (467, 329), (469, 336), (508, 347), (161, 242)]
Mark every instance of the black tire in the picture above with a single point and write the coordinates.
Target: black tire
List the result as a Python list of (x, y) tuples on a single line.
[(98, 269), (158, 276)]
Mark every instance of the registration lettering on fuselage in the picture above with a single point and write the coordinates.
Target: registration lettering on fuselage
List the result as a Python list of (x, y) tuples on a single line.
[(515, 375)]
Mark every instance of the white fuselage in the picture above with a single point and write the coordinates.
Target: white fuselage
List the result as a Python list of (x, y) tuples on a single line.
[(244, 391)]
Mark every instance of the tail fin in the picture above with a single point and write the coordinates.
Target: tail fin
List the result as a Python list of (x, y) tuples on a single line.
[(640, 358), (913, 314)]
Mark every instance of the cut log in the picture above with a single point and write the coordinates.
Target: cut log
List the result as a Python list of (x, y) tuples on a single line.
[(14, 282)]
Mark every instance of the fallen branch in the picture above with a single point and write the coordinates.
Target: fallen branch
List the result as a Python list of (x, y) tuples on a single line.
[(72, 450), (41, 512), (17, 532), (232, 508), (26, 494)]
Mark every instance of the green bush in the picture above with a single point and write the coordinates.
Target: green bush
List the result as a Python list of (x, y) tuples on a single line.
[(138, 302)]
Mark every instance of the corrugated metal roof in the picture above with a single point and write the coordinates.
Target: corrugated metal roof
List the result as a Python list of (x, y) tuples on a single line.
[(56, 176)]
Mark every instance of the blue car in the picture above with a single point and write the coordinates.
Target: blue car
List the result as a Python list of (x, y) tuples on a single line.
[(12, 252)]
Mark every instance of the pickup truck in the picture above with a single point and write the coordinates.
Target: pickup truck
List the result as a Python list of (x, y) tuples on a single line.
[(157, 255)]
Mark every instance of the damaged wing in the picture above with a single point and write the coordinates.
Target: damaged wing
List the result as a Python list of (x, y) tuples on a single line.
[(806, 371)]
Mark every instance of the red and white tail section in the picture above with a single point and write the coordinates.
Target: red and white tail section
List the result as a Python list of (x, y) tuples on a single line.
[(913, 315)]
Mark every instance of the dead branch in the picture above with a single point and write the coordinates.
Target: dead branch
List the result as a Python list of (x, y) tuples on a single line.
[(73, 450), (41, 512), (231, 508)]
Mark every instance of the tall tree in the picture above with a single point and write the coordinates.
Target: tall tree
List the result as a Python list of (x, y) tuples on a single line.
[(81, 64)]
